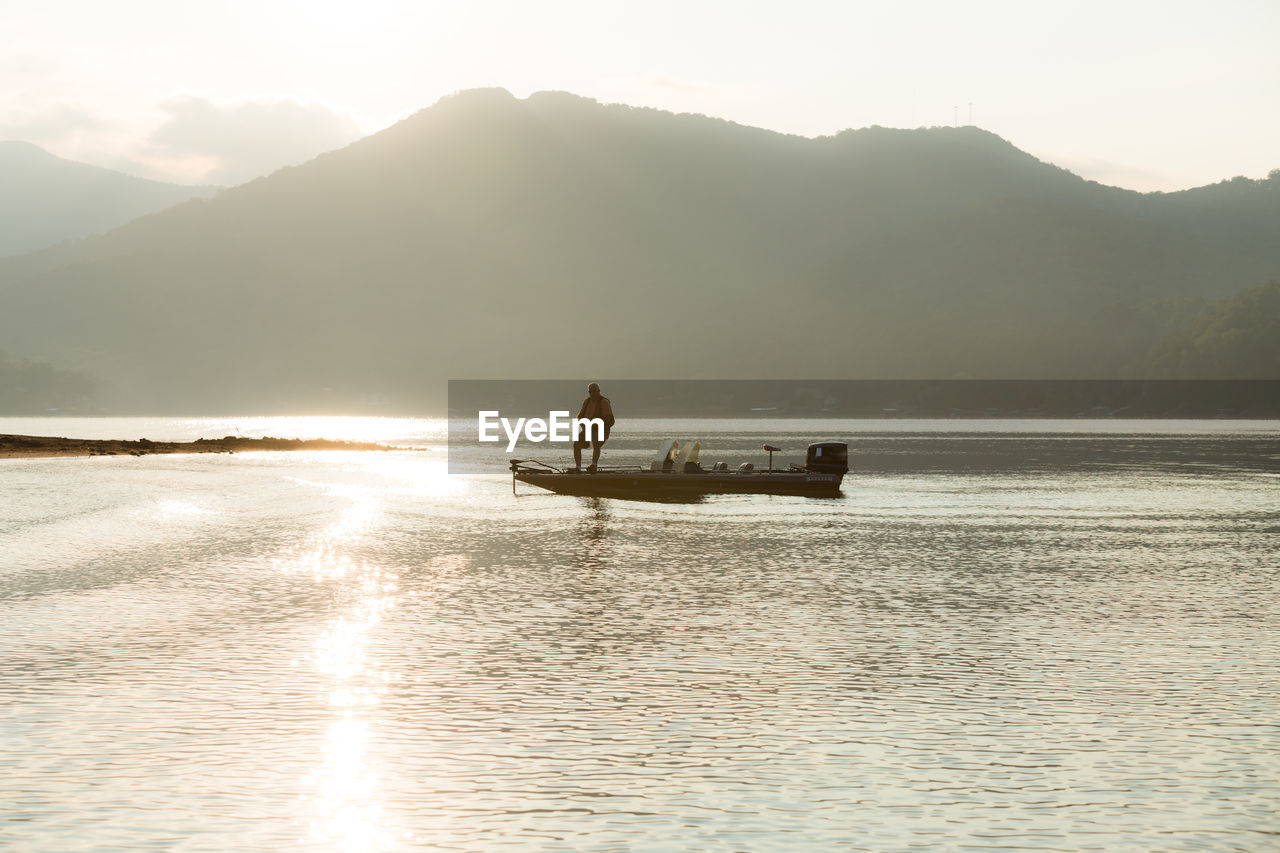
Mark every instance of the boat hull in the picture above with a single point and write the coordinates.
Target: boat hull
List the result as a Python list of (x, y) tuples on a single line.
[(650, 485)]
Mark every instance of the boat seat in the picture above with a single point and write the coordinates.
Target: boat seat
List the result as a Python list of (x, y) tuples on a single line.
[(746, 468), (720, 466), (665, 458), (686, 462)]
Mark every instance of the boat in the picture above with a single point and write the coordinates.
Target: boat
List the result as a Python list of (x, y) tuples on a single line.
[(675, 474)]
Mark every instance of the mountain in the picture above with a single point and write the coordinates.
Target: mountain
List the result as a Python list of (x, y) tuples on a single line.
[(29, 388), (553, 236), (47, 199), (1237, 337)]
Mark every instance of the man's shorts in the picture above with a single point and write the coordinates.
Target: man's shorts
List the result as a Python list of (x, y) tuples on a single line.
[(585, 442)]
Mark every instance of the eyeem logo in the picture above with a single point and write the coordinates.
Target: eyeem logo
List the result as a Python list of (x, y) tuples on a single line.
[(557, 427)]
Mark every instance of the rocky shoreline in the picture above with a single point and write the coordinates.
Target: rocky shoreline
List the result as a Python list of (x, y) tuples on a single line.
[(35, 446)]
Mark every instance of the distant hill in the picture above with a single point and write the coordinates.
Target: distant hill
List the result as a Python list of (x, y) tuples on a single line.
[(489, 236), (30, 388), (47, 199), (1237, 337)]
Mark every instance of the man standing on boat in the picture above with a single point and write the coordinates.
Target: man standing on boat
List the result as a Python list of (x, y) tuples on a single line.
[(595, 406)]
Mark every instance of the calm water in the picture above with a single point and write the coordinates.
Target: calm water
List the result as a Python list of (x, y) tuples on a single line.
[(1006, 635)]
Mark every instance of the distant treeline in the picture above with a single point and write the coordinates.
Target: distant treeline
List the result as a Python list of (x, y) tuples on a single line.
[(29, 388), (1012, 398), (1237, 337)]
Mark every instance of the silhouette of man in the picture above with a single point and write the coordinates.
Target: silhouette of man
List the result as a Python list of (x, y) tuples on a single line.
[(595, 406)]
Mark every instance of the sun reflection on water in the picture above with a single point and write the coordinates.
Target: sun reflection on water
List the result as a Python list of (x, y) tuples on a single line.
[(171, 508), (415, 431), (415, 474), (341, 794)]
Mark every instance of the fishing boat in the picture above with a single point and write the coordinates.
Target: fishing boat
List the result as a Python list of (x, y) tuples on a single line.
[(675, 474)]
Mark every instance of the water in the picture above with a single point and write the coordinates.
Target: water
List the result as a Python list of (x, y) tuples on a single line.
[(1006, 635)]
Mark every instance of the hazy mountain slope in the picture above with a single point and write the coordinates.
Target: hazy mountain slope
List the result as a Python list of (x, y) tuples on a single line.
[(31, 388), (1237, 337), (47, 199), (488, 236), (1240, 213)]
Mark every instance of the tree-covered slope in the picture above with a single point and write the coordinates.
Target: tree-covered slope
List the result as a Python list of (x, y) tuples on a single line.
[(46, 199), (554, 236)]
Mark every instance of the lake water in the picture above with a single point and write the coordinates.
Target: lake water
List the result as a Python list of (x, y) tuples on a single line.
[(1034, 635)]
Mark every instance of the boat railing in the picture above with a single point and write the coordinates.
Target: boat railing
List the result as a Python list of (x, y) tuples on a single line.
[(535, 465)]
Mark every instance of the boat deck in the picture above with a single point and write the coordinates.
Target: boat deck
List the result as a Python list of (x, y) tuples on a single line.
[(639, 483)]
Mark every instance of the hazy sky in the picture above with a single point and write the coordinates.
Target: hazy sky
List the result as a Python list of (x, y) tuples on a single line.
[(1146, 95)]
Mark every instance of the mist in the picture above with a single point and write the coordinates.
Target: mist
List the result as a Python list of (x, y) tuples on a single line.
[(493, 237)]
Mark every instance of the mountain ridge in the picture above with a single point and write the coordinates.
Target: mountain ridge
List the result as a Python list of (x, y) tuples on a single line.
[(637, 241), (49, 199)]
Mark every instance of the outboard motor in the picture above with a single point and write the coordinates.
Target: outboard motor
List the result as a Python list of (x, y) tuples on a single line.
[(828, 457)]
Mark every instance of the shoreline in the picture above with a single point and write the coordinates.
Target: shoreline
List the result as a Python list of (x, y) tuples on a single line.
[(45, 447)]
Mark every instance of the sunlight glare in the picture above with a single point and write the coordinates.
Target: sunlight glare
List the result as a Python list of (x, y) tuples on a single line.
[(417, 474), (347, 814)]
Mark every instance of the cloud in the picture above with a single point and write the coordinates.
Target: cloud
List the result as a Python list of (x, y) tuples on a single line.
[(657, 83), (233, 143), (197, 140), (56, 128), (1115, 174), (688, 87)]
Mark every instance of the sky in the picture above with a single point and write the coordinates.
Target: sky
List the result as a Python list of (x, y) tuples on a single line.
[(1144, 95)]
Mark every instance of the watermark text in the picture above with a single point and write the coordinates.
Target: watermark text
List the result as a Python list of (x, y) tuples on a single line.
[(558, 427)]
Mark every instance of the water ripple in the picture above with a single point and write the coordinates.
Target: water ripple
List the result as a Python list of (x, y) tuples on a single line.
[(334, 652)]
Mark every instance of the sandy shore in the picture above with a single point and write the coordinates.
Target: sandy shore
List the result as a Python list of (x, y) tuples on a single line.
[(35, 446)]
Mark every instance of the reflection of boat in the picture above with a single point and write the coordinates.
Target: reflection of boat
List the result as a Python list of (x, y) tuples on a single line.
[(675, 473)]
